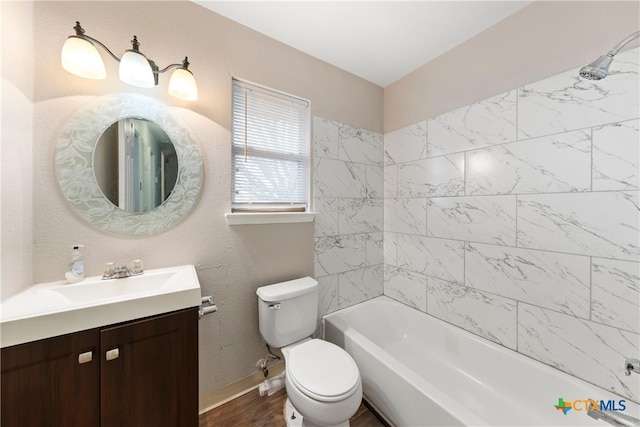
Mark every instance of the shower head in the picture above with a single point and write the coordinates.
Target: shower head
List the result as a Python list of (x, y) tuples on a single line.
[(599, 69)]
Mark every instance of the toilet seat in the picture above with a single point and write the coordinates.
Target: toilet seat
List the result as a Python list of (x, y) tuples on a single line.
[(322, 371)]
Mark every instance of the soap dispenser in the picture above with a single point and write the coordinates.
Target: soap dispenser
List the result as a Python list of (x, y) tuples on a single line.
[(75, 267)]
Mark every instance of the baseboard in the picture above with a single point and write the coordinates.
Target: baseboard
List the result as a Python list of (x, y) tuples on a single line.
[(218, 397)]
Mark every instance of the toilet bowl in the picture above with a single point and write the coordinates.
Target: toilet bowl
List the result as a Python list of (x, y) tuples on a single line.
[(323, 383), (322, 380)]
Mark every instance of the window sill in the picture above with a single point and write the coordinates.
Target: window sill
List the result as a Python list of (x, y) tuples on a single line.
[(268, 218)]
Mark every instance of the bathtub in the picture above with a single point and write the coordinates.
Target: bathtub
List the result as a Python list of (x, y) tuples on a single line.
[(420, 371)]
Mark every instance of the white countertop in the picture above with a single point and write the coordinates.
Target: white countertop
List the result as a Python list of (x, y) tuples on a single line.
[(57, 308)]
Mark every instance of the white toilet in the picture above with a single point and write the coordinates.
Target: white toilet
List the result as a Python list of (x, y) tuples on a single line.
[(323, 382)]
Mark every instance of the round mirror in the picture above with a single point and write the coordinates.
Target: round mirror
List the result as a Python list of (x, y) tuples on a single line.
[(135, 164), (166, 169)]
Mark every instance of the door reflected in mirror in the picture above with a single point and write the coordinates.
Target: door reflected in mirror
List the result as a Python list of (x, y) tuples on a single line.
[(135, 165)]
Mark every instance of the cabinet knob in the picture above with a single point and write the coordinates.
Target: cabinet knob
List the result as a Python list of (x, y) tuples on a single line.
[(112, 354), (85, 357)]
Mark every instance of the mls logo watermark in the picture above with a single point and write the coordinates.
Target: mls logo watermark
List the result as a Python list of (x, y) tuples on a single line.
[(590, 405)]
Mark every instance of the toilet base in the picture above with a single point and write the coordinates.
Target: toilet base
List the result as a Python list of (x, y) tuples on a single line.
[(293, 418)]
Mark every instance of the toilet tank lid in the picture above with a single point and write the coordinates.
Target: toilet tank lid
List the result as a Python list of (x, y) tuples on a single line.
[(285, 290)]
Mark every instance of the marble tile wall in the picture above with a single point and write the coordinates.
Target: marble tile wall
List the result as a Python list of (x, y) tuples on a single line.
[(348, 196), (518, 218)]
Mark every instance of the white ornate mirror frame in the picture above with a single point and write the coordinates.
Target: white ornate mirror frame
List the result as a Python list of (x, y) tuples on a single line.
[(74, 166)]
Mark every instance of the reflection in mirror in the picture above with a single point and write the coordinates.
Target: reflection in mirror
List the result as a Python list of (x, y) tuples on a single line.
[(78, 151), (135, 164)]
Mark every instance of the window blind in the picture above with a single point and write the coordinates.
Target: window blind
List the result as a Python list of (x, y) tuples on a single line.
[(270, 154)]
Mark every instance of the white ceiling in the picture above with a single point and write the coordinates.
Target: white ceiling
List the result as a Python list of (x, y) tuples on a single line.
[(380, 41)]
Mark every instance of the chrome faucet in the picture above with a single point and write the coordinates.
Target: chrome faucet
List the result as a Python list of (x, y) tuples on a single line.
[(614, 418), (121, 272), (111, 271), (632, 365)]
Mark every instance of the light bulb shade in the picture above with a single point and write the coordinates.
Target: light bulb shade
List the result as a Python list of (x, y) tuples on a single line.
[(80, 57), (136, 70), (183, 85)]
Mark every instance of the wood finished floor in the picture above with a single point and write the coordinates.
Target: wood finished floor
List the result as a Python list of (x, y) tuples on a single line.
[(251, 410)]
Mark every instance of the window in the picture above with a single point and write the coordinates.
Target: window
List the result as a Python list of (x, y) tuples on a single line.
[(270, 154)]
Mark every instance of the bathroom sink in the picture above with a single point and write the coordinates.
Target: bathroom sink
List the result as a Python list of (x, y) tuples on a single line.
[(56, 308), (97, 289)]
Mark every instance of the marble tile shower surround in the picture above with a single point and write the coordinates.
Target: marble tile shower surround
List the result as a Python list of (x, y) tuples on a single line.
[(348, 196), (517, 218)]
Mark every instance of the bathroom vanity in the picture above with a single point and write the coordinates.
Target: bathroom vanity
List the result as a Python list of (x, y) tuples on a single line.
[(134, 362), (139, 373)]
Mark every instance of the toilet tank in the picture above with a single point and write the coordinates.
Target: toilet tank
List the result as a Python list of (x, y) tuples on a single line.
[(288, 311)]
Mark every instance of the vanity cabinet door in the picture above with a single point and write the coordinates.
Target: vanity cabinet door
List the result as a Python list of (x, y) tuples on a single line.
[(149, 372), (53, 382)]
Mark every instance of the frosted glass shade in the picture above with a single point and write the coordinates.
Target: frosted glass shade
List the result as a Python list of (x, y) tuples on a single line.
[(183, 85), (80, 57), (136, 70)]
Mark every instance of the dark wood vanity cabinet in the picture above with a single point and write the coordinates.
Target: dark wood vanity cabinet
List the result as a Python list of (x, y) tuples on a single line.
[(43, 384), (142, 373), (154, 380)]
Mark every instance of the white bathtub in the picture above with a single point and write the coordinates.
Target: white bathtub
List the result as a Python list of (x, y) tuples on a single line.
[(420, 371)]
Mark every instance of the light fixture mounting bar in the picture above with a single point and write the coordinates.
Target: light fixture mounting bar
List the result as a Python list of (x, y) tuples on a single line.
[(185, 65), (80, 57), (81, 33)]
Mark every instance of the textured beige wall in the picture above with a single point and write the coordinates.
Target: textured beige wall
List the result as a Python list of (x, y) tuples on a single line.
[(218, 49), (540, 40), (231, 261), (16, 171)]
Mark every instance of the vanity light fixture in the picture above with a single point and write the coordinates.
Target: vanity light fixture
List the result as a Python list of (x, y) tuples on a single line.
[(80, 57)]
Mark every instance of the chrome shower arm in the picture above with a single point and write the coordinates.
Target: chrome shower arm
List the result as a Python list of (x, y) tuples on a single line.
[(599, 69), (614, 418), (623, 43)]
